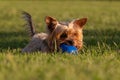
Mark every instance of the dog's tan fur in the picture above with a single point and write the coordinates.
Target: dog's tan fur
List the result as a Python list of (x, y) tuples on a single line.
[(57, 33)]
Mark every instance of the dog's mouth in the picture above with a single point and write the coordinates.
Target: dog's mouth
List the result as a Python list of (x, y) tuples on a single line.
[(71, 44), (68, 42)]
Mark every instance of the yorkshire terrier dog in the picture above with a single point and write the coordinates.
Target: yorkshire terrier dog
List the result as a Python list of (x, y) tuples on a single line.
[(70, 33)]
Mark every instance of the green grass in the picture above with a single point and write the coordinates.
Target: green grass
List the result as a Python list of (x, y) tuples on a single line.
[(98, 60)]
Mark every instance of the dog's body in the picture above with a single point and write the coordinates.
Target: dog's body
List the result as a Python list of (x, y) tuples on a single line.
[(37, 43), (57, 33)]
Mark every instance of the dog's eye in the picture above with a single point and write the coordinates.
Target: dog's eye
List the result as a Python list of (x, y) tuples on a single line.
[(64, 35)]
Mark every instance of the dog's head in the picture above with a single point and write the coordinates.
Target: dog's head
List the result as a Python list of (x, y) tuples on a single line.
[(68, 33)]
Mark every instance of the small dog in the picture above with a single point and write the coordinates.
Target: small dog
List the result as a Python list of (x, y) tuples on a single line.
[(70, 33)]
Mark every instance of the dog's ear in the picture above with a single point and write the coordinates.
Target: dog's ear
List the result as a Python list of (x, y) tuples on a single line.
[(51, 23), (80, 22)]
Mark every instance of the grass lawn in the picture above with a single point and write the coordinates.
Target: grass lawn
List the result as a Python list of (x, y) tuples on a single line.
[(98, 60)]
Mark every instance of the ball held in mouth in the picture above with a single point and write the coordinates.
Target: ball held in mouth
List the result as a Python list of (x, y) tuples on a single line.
[(68, 48)]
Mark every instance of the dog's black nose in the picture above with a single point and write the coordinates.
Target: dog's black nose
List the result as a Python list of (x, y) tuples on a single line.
[(70, 42)]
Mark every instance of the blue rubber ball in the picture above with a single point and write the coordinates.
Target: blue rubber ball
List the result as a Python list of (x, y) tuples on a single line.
[(68, 48)]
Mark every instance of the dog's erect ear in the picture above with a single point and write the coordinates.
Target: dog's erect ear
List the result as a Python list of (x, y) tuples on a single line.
[(80, 22), (51, 23)]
